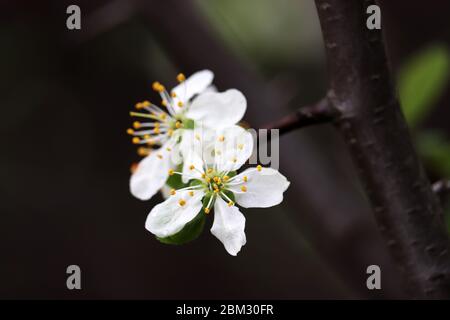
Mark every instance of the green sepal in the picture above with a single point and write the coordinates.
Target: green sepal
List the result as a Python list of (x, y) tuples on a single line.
[(174, 181)]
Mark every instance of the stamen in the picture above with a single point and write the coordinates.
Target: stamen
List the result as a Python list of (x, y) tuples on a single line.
[(142, 151), (221, 138), (137, 125), (240, 146), (130, 131), (244, 189), (171, 172), (181, 77), (180, 104), (173, 192), (191, 167), (258, 167), (178, 124), (181, 202), (206, 210), (245, 178), (133, 167), (191, 193), (136, 140)]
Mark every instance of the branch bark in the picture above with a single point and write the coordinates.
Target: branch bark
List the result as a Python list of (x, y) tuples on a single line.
[(318, 113), (372, 124)]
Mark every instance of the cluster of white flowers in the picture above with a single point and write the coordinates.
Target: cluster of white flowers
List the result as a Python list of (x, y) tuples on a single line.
[(193, 149)]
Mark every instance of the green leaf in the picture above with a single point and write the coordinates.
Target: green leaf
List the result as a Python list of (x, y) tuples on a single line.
[(191, 231), (434, 148), (421, 82)]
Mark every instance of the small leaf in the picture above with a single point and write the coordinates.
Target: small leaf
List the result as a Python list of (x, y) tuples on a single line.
[(434, 148), (422, 80), (191, 231)]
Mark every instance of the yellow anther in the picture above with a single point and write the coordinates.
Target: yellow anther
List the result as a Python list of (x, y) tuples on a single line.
[(244, 189), (133, 167), (173, 94), (217, 180), (147, 137), (209, 170), (156, 130), (230, 203), (180, 104), (206, 210), (143, 151), (136, 140), (137, 125), (150, 142), (156, 85), (208, 179), (173, 192), (163, 116), (130, 131), (170, 132), (216, 190), (191, 193), (197, 136), (138, 106), (164, 102), (181, 77), (181, 202), (203, 175), (159, 156), (234, 159), (171, 172), (226, 178), (191, 167), (221, 138), (240, 146), (178, 124), (169, 149), (245, 178), (258, 167), (146, 103)]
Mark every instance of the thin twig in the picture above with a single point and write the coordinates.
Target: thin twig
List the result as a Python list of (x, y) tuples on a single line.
[(319, 113)]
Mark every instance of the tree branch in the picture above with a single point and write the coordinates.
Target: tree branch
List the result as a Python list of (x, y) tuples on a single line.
[(319, 113), (372, 124)]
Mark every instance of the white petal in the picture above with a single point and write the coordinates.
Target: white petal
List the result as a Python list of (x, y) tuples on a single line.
[(228, 226), (195, 84), (264, 188), (218, 110), (150, 175), (169, 217), (233, 146), (165, 191)]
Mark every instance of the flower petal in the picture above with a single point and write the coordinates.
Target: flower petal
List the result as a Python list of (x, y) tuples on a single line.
[(218, 109), (150, 176), (195, 84), (228, 226), (170, 216), (232, 148), (263, 188), (153, 171)]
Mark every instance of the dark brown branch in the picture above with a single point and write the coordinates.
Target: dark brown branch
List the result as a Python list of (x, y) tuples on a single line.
[(407, 211), (318, 113)]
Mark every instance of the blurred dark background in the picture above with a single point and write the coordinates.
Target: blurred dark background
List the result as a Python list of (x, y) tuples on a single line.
[(65, 97)]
